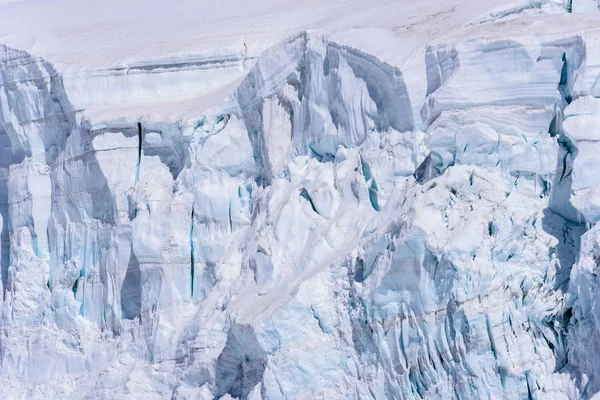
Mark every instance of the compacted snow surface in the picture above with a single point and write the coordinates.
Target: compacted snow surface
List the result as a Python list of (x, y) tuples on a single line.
[(300, 200)]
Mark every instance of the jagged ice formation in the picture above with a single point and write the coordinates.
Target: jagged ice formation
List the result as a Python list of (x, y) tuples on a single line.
[(323, 222)]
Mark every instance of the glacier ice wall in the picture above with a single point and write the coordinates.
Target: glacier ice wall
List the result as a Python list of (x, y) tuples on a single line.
[(321, 233)]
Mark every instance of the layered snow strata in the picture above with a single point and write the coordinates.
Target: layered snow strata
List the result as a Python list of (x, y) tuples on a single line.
[(494, 105), (162, 79)]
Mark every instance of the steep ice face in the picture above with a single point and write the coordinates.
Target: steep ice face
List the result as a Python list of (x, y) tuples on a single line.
[(333, 96), (579, 6), (510, 126), (337, 227), (581, 302), (579, 125)]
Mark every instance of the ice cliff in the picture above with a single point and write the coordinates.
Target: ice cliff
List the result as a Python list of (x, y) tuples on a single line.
[(327, 225)]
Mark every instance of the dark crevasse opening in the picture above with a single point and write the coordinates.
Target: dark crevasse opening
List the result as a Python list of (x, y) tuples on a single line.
[(230, 220), (424, 171), (373, 191), (563, 87), (170, 150), (131, 291), (140, 140), (561, 219), (304, 194), (241, 364), (192, 259)]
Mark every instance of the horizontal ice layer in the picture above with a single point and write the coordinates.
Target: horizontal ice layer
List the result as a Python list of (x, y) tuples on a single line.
[(515, 138), (168, 54), (163, 80), (506, 71), (162, 53), (130, 34), (493, 102)]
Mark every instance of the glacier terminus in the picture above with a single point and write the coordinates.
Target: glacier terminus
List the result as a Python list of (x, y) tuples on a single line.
[(308, 199)]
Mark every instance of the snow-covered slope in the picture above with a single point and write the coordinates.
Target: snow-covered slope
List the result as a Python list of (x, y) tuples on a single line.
[(334, 200)]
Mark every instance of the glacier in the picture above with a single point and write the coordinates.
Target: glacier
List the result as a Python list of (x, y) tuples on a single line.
[(324, 201)]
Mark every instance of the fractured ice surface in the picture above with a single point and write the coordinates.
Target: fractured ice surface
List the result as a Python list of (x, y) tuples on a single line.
[(338, 227)]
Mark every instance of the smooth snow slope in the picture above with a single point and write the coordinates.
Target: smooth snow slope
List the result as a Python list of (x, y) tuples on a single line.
[(283, 200), (105, 50), (84, 35)]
